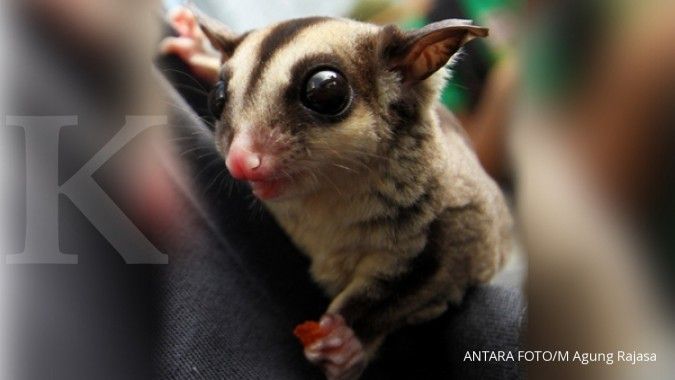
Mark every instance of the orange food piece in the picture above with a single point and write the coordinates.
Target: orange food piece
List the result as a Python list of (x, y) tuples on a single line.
[(309, 332)]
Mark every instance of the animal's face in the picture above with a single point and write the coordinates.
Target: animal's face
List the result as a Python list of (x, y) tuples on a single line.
[(306, 102)]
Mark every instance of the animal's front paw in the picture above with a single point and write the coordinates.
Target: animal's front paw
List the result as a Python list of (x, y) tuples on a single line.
[(336, 349), (190, 45)]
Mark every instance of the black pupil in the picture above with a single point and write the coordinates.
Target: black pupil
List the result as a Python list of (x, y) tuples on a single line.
[(326, 92), (217, 99)]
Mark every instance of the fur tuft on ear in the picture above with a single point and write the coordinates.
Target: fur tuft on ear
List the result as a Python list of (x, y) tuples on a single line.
[(420, 53)]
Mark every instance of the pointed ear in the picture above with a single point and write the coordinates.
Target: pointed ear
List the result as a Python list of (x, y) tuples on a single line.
[(418, 54), (220, 36)]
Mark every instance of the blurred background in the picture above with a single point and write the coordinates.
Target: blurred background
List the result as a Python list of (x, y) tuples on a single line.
[(570, 106)]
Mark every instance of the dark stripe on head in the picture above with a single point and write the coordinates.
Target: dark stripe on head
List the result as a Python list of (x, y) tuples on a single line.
[(277, 38)]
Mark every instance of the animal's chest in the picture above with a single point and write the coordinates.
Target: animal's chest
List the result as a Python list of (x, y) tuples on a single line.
[(331, 237), (318, 233)]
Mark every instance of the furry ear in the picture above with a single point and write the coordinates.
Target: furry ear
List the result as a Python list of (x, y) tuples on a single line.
[(220, 36), (418, 54)]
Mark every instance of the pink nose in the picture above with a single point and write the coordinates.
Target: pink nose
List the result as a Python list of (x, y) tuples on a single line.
[(249, 160), (244, 164)]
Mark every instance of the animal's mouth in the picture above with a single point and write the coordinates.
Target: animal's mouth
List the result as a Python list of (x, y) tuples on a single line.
[(273, 188), (268, 189), (263, 169)]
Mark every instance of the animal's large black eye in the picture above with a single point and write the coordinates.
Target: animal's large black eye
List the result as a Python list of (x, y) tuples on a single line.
[(217, 99), (326, 92)]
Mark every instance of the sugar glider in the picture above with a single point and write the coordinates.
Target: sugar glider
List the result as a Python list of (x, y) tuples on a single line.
[(335, 125)]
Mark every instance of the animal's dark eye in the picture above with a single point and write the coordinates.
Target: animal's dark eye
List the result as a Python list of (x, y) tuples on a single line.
[(217, 99), (326, 92)]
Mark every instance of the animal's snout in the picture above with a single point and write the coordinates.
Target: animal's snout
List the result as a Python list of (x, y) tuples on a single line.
[(247, 162)]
